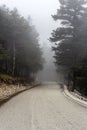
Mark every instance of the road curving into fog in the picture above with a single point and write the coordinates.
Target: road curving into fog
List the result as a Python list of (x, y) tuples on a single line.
[(42, 108)]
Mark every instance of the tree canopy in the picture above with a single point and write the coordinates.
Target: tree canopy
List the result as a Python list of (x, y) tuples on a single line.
[(70, 37), (20, 52)]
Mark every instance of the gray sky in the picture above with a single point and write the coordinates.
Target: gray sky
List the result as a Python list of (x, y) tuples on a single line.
[(40, 12)]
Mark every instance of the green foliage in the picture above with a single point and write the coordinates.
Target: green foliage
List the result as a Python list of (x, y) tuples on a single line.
[(70, 37), (81, 85), (20, 53), (5, 77)]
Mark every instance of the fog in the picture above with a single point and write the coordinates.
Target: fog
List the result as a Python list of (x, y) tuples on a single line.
[(49, 71), (40, 12)]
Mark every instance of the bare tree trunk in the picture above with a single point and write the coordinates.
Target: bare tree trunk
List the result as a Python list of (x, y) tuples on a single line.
[(14, 57)]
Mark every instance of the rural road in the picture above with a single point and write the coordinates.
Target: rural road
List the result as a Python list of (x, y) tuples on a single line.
[(42, 108)]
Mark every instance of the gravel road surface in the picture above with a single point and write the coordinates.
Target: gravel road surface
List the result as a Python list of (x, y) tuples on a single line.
[(42, 108)]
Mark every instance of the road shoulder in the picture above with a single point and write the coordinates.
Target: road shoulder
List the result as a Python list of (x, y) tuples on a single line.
[(74, 98), (5, 98)]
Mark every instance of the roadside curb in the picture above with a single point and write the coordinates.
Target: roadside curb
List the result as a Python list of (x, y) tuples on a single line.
[(5, 99), (73, 98)]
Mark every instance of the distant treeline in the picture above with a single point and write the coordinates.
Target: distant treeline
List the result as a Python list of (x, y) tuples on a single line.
[(20, 53), (70, 40)]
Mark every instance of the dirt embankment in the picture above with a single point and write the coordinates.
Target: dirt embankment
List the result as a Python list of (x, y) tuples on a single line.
[(9, 91)]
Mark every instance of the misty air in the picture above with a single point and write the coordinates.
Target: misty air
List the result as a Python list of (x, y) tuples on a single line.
[(43, 64)]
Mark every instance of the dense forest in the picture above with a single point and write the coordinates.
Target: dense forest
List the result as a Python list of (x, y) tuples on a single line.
[(20, 52), (70, 43)]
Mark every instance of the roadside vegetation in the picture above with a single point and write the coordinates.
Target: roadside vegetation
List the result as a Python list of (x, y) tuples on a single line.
[(70, 43), (20, 52)]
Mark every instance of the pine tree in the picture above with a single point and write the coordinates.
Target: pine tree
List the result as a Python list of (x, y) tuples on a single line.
[(20, 53), (68, 37)]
